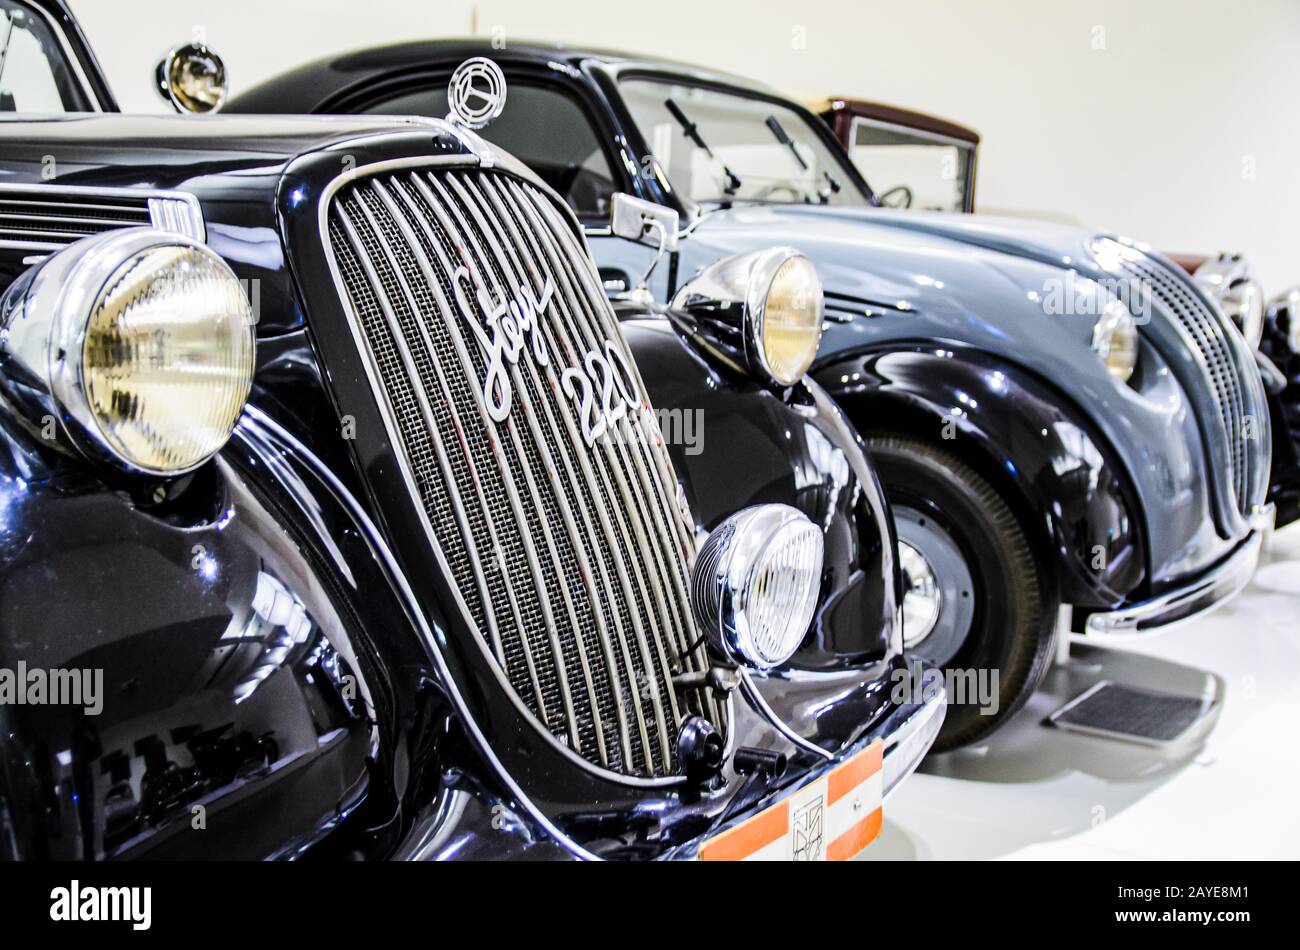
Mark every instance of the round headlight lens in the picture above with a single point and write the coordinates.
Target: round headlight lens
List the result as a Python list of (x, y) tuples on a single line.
[(791, 320), (167, 357), (756, 583), (1115, 340)]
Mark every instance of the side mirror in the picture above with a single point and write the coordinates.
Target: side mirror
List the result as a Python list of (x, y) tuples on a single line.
[(193, 79), (644, 222)]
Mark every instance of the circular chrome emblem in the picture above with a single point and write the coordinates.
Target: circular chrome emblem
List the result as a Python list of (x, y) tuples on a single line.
[(477, 93)]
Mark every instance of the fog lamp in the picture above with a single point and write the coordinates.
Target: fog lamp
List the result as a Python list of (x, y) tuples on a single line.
[(756, 582)]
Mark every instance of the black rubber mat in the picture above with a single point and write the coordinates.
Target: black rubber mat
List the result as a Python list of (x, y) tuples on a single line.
[(1127, 712)]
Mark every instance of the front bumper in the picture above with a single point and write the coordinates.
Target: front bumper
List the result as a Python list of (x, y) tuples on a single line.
[(1212, 589), (906, 735)]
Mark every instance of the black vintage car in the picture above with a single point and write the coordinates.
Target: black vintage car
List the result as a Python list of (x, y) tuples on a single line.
[(328, 474)]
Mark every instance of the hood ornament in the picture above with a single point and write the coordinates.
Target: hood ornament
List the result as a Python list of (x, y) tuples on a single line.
[(476, 93)]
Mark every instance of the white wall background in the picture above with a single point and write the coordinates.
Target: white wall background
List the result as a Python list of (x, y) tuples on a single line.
[(1174, 121)]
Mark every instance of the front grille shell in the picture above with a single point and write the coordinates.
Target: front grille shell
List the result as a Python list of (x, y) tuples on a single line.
[(571, 560)]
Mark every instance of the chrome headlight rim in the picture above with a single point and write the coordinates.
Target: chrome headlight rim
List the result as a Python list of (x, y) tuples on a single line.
[(765, 269), (45, 332), (729, 301), (1117, 324), (729, 580)]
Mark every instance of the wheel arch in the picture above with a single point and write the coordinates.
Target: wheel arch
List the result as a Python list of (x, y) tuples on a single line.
[(1022, 435)]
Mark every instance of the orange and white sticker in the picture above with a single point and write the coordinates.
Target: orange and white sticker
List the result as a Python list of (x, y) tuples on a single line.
[(831, 819)]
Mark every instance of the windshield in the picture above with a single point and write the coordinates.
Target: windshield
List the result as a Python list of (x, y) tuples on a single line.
[(719, 147), (35, 74), (912, 168)]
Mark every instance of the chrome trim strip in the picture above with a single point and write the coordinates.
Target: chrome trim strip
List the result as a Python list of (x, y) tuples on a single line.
[(1214, 589), (258, 418)]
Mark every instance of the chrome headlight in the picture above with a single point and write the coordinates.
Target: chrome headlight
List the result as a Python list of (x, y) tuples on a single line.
[(761, 310), (1115, 340), (144, 341), (1227, 279), (755, 584)]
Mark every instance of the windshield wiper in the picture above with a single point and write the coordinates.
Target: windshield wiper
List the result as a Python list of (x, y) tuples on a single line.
[(777, 130), (692, 132)]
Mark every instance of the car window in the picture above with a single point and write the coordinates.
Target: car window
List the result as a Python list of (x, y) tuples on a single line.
[(911, 169), (721, 146), (35, 73), (543, 127)]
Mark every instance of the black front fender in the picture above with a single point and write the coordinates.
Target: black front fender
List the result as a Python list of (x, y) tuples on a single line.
[(1025, 438), (735, 443)]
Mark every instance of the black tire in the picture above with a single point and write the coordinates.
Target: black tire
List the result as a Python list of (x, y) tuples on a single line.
[(1012, 627)]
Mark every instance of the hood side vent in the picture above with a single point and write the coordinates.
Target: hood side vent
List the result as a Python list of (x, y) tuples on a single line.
[(49, 217)]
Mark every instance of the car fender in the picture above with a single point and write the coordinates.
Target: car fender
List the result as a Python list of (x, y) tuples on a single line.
[(1022, 436)]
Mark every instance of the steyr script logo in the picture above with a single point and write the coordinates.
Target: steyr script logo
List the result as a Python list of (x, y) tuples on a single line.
[(512, 323), (602, 384)]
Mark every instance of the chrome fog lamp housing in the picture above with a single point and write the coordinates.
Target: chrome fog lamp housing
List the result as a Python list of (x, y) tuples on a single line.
[(761, 309), (1115, 340), (192, 78), (755, 584), (141, 342), (1227, 279)]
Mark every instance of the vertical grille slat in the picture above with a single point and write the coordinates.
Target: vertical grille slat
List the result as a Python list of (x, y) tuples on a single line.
[(573, 558)]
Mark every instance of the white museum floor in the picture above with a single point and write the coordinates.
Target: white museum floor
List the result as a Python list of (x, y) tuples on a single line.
[(1033, 791)]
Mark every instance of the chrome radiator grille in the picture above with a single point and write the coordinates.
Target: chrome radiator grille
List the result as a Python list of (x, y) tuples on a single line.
[(1207, 331), (571, 557)]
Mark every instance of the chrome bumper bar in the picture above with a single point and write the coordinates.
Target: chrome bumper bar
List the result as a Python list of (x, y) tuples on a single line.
[(1212, 589)]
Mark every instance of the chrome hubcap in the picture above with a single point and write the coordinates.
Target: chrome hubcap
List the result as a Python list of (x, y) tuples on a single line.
[(922, 597), (938, 587)]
